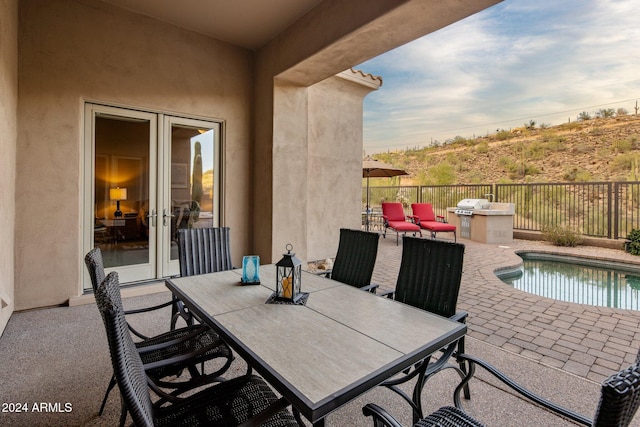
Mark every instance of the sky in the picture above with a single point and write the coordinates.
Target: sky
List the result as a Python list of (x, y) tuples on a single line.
[(520, 60)]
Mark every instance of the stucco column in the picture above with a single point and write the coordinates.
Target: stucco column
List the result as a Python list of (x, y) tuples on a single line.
[(317, 162), (290, 164)]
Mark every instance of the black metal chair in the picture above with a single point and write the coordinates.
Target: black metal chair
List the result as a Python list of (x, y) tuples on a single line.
[(230, 403), (356, 258), (619, 401), (429, 279), (171, 352)]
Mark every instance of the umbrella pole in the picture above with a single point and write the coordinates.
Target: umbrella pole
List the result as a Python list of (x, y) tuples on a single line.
[(367, 211)]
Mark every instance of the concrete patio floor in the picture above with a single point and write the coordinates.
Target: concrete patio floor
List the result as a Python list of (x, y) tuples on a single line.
[(584, 340), (560, 350)]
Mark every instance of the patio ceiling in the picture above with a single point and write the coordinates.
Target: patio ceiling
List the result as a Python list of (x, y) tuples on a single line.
[(247, 23)]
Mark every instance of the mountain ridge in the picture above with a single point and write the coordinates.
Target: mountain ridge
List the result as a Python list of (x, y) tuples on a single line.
[(600, 149)]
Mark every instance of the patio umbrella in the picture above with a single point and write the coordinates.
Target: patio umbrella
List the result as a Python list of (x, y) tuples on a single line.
[(372, 168)]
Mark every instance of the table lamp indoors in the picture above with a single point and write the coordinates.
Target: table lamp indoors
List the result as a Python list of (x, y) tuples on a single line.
[(117, 194)]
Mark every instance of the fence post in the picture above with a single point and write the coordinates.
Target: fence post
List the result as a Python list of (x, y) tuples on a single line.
[(616, 210)]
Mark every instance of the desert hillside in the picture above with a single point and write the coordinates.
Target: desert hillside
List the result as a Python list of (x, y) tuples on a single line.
[(602, 149)]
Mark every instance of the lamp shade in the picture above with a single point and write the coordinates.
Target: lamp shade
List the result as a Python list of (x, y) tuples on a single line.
[(118, 193)]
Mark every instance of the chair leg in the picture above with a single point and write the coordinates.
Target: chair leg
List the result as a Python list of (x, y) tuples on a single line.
[(123, 412), (463, 368), (112, 384)]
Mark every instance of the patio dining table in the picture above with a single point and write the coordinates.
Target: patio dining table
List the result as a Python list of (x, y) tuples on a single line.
[(321, 355)]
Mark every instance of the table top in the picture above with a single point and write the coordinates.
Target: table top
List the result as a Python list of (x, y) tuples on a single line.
[(342, 343)]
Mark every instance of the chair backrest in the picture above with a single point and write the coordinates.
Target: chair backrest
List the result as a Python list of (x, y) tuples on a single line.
[(204, 250), (619, 398), (356, 257), (393, 211), (95, 265), (127, 365), (430, 275), (424, 211)]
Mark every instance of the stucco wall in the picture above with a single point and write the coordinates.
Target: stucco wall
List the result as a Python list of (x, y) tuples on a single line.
[(8, 131), (317, 158), (75, 50), (335, 160)]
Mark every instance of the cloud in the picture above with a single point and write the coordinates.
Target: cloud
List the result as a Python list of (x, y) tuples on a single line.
[(519, 60)]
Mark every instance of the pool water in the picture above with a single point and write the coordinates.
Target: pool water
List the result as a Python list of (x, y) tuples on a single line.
[(578, 280)]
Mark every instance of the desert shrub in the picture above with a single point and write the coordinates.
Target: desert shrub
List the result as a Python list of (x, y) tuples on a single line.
[(570, 126), (577, 175), (623, 162), (561, 235), (503, 135), (605, 113), (441, 174), (632, 246), (535, 150), (622, 145), (621, 112), (584, 116), (482, 148)]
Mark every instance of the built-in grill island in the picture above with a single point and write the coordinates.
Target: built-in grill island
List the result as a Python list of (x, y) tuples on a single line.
[(482, 221)]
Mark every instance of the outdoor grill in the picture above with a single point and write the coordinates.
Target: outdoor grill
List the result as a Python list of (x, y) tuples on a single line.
[(467, 207)]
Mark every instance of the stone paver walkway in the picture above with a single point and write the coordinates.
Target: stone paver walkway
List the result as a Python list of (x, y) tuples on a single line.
[(591, 342)]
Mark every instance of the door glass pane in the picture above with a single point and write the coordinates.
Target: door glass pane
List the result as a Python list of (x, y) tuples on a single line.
[(192, 180), (121, 228)]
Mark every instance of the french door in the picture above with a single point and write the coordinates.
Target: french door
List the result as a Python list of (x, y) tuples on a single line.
[(146, 176)]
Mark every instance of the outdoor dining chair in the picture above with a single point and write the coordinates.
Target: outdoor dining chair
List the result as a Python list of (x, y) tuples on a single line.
[(424, 217), (201, 251), (173, 351), (393, 217), (230, 403), (355, 259), (429, 279), (619, 401)]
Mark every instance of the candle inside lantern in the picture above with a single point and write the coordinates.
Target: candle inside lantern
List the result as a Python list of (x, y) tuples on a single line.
[(286, 287)]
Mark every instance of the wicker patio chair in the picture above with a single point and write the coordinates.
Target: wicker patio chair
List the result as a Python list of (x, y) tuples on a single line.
[(429, 279), (229, 403), (355, 259), (201, 251), (618, 404), (173, 351)]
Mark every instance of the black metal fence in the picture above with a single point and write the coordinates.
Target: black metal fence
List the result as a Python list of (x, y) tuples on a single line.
[(599, 209)]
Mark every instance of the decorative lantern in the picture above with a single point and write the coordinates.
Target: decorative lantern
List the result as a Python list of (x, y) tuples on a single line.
[(288, 276)]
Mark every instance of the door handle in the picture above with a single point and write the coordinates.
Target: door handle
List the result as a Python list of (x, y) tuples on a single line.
[(165, 215), (153, 215)]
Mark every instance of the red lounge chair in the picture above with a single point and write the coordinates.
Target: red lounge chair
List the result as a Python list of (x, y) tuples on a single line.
[(393, 217), (424, 217)]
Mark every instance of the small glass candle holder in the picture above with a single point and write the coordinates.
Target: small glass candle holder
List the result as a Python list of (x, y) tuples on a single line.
[(251, 270)]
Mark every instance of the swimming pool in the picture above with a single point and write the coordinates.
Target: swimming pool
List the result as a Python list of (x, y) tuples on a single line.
[(576, 279)]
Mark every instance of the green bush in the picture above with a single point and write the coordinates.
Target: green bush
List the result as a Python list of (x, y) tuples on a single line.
[(503, 135), (561, 235), (633, 244)]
